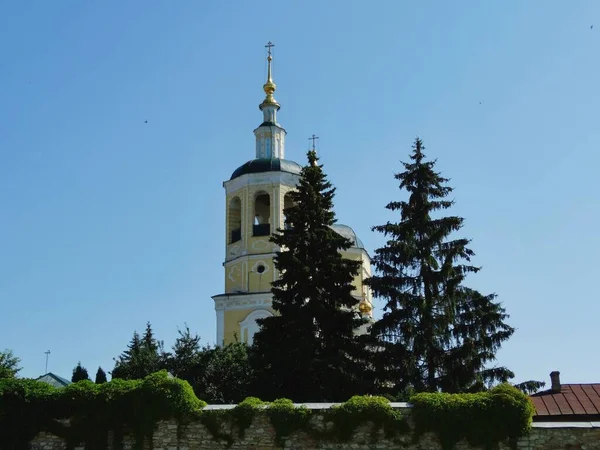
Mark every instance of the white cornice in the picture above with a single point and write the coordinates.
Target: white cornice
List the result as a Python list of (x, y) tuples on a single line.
[(228, 302), (253, 179), (249, 257), (358, 251)]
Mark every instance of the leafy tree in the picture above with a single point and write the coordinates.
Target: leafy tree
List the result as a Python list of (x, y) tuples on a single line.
[(79, 373), (100, 376), (217, 374), (228, 375), (9, 364), (435, 333), (309, 350), (143, 356)]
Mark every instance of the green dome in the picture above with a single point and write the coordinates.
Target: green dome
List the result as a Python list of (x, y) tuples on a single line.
[(267, 165), (348, 233)]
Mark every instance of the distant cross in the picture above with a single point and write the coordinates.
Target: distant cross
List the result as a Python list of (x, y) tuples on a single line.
[(313, 138), (47, 352), (270, 45)]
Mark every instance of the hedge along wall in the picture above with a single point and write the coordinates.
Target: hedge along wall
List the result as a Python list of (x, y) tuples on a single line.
[(160, 412)]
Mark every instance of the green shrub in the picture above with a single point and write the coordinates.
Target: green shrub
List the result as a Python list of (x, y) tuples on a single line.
[(483, 419), (134, 407), (243, 414), (28, 407), (287, 418), (348, 416)]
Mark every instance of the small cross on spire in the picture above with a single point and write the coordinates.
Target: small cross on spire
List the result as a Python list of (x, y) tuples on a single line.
[(313, 138), (269, 46)]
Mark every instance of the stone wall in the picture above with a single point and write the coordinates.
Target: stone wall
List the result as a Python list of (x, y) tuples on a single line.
[(261, 436)]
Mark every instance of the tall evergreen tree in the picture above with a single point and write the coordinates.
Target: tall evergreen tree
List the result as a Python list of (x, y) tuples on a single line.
[(143, 356), (79, 373), (100, 376), (308, 351), (185, 356), (149, 342), (435, 333)]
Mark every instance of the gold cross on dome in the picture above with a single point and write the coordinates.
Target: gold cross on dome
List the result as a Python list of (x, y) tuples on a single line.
[(270, 45), (313, 138)]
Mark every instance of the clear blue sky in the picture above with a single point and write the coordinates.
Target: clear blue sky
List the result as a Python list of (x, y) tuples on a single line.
[(107, 222)]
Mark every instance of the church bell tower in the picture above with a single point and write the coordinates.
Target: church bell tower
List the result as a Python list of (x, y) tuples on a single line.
[(255, 197)]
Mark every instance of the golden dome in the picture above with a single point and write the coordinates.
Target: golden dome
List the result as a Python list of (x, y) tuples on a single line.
[(364, 308), (269, 87)]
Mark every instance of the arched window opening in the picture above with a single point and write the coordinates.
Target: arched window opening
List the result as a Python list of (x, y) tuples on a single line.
[(235, 220), (249, 327), (262, 214), (287, 203)]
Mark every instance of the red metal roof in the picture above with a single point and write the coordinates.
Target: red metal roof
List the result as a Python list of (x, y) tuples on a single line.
[(572, 400)]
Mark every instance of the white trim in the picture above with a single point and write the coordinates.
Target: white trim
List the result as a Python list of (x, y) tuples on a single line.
[(249, 323), (232, 302), (565, 424), (220, 327), (262, 178), (267, 254), (394, 405), (260, 262)]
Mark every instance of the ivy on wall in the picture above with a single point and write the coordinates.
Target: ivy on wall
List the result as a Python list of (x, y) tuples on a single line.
[(483, 419), (133, 407), (85, 414)]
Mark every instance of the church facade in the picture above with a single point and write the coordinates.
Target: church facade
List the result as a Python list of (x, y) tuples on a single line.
[(255, 198)]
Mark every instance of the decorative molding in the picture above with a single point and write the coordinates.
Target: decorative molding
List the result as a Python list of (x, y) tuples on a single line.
[(260, 244), (260, 262), (248, 257), (234, 272), (229, 302), (249, 323), (263, 178), (234, 250)]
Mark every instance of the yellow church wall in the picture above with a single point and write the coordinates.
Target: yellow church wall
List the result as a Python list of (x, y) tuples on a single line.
[(360, 290), (234, 277), (261, 282), (358, 279), (232, 324), (244, 276)]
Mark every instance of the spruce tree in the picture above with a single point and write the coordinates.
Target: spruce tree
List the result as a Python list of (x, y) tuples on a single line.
[(185, 355), (100, 376), (143, 356), (79, 373), (435, 333), (308, 351)]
